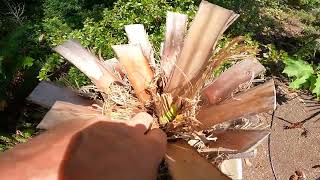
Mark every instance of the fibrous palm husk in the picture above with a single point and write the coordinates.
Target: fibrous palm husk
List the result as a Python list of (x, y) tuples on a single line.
[(176, 94)]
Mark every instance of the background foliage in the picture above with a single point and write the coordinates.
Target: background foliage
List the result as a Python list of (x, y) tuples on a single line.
[(286, 32)]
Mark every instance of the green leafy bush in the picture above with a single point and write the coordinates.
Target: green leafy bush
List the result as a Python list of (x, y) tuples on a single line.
[(74, 12), (100, 34), (15, 58), (100, 24), (303, 74), (74, 79), (52, 63), (305, 3)]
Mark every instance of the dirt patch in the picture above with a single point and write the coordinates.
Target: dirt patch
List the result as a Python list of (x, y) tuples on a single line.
[(292, 150)]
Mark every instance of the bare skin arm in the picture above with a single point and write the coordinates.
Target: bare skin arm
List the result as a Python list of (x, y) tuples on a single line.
[(95, 149)]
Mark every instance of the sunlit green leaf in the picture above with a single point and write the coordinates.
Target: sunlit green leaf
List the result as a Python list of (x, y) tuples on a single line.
[(316, 89), (299, 70), (27, 62)]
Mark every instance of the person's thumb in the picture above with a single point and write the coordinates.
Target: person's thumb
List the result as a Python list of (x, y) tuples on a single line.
[(141, 121)]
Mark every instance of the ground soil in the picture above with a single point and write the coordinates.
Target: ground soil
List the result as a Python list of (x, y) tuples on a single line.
[(291, 150)]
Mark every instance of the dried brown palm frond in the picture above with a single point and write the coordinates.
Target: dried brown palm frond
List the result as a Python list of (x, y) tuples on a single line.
[(177, 92), (256, 100), (234, 48), (89, 64), (238, 76), (138, 35), (138, 70), (176, 27), (207, 26), (182, 159)]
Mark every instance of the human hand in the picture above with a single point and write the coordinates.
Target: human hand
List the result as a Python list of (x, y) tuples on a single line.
[(109, 150), (95, 149)]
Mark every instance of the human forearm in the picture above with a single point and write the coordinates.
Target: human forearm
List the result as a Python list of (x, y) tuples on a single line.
[(96, 149), (41, 156)]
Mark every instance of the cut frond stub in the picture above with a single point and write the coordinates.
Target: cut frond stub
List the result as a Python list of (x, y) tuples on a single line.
[(256, 100), (176, 28), (185, 163), (114, 64), (86, 62), (237, 140), (137, 68), (63, 112), (137, 34), (240, 74), (209, 23)]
